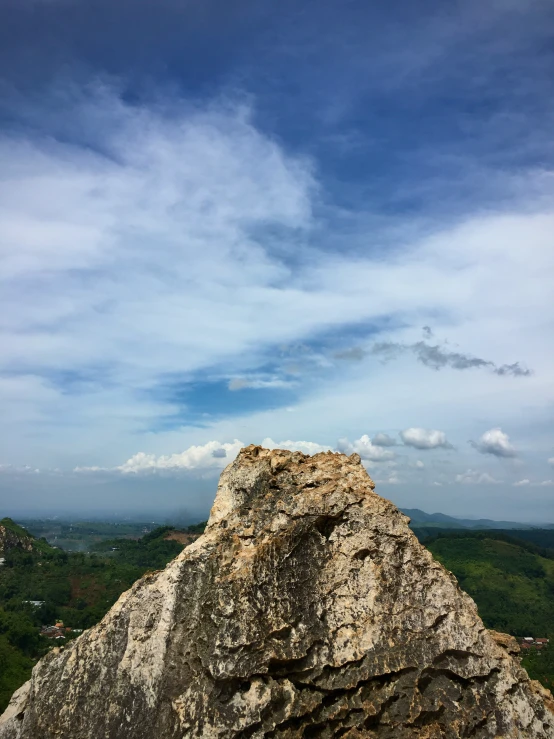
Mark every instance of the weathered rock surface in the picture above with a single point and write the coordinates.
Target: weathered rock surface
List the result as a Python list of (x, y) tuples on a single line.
[(307, 609), (12, 539)]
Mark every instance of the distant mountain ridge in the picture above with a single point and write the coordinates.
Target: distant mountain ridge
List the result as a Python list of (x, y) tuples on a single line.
[(419, 518)]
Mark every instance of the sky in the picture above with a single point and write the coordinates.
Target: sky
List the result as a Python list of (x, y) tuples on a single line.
[(316, 226)]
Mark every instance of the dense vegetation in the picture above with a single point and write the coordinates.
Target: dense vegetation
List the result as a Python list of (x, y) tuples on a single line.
[(74, 587), (512, 582)]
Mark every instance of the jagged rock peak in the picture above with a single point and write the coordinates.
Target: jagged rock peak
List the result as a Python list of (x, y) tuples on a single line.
[(307, 609)]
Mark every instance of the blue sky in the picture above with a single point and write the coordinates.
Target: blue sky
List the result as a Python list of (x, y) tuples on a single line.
[(304, 225)]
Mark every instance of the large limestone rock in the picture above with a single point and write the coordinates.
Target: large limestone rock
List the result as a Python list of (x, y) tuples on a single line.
[(13, 537), (307, 609)]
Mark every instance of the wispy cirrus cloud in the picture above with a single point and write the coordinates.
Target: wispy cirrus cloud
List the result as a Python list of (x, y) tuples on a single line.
[(437, 357), (474, 477), (525, 482), (254, 383)]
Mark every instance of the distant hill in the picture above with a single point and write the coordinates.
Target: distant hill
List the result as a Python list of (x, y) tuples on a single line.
[(41, 585), (440, 520), (511, 580), (13, 536)]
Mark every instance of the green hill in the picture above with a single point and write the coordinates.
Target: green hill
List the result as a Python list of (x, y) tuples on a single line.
[(40, 585), (13, 536), (511, 583)]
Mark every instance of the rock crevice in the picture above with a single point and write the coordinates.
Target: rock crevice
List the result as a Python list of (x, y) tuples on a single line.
[(307, 609)]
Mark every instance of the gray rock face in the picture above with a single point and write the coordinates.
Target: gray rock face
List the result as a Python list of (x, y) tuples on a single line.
[(10, 540), (307, 609)]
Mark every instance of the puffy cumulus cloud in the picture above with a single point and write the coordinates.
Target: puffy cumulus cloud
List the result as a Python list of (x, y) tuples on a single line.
[(495, 442), (365, 448), (474, 477), (551, 461), (383, 440), (306, 447), (419, 464), (425, 439), (211, 455)]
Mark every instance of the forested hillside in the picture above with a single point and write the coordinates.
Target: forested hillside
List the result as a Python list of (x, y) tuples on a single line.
[(46, 585), (512, 582)]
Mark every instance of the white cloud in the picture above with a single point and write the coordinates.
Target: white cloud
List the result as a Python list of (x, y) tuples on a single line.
[(383, 440), (365, 448), (93, 469), (306, 447), (551, 461), (205, 457), (526, 482), (240, 383), (187, 244), (391, 480), (425, 438), (419, 464), (495, 442), (212, 455), (22, 469), (474, 477)]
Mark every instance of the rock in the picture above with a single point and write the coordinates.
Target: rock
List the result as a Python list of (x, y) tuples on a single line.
[(307, 609), (13, 537), (505, 640)]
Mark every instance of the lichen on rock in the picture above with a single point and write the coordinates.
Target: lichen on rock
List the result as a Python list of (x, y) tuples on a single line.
[(307, 609)]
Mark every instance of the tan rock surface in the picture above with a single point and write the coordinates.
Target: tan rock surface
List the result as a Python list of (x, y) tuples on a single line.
[(10, 540), (307, 609)]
